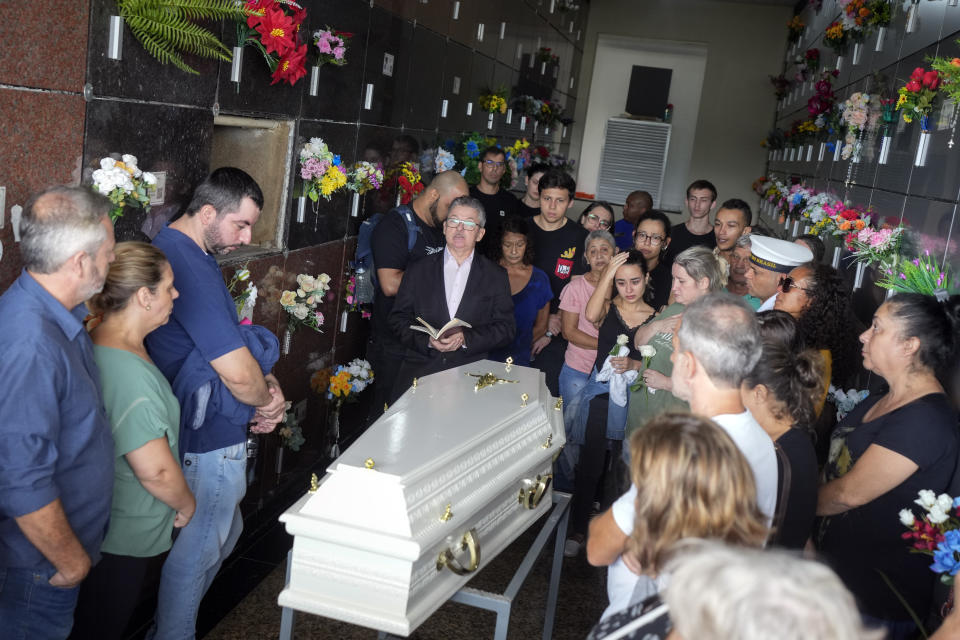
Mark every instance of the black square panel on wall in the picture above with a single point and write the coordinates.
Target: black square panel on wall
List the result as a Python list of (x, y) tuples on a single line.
[(327, 220), (930, 222), (487, 19), (927, 27), (401, 8), (387, 145), (887, 206), (174, 140), (456, 87), (254, 94), (138, 75), (385, 79), (481, 80), (434, 15), (339, 89), (424, 95), (464, 16)]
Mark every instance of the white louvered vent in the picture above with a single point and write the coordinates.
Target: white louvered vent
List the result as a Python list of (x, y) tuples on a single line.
[(634, 157)]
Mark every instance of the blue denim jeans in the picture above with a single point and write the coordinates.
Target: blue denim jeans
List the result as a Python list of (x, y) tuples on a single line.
[(572, 383), (31, 609), (218, 481)]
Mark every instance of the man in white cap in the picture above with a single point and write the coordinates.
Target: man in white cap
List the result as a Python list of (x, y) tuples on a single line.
[(770, 260)]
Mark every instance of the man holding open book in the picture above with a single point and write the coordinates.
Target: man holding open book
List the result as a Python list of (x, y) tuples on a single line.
[(452, 307)]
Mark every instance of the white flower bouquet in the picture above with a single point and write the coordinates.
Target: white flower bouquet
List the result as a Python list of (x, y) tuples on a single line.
[(301, 305), (123, 183)]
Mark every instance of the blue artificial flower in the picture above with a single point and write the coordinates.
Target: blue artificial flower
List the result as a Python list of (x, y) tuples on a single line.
[(472, 149), (336, 161), (795, 200), (463, 172), (831, 146), (945, 556), (956, 502)]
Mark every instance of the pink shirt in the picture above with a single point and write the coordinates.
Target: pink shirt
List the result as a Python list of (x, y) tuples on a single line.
[(455, 280), (574, 298)]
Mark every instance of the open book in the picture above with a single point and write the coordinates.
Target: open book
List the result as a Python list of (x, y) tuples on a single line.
[(436, 334)]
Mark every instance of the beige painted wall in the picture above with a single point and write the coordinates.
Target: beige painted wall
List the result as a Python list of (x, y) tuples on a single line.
[(745, 44)]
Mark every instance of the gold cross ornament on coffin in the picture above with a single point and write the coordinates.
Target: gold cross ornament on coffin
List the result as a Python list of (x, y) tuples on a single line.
[(485, 380)]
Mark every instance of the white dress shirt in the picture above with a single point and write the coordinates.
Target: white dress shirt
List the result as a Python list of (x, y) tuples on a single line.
[(768, 303), (455, 279)]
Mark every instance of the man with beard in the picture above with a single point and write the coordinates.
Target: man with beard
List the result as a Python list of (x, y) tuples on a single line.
[(221, 378), (56, 462), (455, 283), (392, 255)]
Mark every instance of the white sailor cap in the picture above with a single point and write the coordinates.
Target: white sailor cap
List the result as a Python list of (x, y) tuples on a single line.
[(777, 255)]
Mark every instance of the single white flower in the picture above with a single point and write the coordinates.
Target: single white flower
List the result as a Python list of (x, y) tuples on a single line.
[(324, 279), (243, 275), (301, 293), (647, 351), (937, 515), (622, 339), (300, 311), (149, 178), (129, 160), (927, 499), (107, 163), (945, 502), (906, 517)]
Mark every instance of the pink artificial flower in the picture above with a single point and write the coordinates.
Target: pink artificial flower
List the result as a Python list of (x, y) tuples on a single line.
[(324, 45), (246, 321), (349, 299), (366, 314), (319, 317), (338, 53)]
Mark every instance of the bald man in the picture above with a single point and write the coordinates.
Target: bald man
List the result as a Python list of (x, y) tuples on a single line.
[(636, 204), (392, 255)]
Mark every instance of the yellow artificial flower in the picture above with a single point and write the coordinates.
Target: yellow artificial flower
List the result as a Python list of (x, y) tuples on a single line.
[(288, 298), (901, 101)]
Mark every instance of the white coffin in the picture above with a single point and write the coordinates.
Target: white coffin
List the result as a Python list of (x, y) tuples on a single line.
[(367, 542)]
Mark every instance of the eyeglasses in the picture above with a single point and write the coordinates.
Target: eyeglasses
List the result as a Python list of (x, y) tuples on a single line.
[(604, 224), (456, 223), (787, 283), (490, 164), (643, 238)]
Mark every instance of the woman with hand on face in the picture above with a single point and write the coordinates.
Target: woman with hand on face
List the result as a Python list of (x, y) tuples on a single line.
[(696, 272), (886, 451), (150, 494), (651, 238), (530, 289), (581, 336), (617, 309)]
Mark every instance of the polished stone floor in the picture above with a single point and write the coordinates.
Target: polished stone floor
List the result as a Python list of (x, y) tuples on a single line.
[(581, 601)]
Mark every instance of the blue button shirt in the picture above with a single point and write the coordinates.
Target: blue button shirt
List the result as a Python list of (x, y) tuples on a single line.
[(205, 319), (55, 439)]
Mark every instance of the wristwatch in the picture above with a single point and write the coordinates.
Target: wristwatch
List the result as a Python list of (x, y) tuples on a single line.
[(549, 333)]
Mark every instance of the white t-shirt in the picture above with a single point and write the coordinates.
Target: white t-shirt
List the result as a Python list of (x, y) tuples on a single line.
[(768, 303), (757, 448)]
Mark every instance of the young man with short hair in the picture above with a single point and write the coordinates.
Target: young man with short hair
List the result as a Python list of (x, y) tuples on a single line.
[(697, 230), (732, 221), (497, 203), (530, 202)]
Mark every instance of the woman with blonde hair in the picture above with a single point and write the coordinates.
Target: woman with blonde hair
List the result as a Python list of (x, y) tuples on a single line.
[(689, 481), (150, 494)]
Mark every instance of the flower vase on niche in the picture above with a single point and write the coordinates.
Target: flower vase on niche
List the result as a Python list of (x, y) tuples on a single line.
[(857, 53), (837, 149), (823, 152), (287, 338), (810, 152), (881, 36), (839, 66), (333, 431), (923, 146), (836, 257), (888, 118), (279, 466)]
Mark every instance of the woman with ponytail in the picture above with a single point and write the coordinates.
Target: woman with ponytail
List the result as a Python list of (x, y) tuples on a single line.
[(888, 449), (781, 392)]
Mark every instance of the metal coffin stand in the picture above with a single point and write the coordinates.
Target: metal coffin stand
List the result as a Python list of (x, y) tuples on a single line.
[(498, 603)]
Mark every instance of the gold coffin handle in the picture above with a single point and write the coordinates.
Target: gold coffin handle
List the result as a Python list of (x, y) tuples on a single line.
[(471, 544), (530, 498)]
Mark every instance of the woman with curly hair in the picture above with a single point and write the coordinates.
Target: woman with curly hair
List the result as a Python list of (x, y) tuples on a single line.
[(818, 299)]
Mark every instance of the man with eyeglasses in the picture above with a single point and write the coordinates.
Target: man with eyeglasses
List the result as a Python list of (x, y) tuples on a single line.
[(455, 283), (770, 260), (392, 256), (697, 230), (497, 203)]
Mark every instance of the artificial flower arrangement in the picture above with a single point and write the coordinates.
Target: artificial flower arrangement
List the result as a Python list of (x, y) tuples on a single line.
[(837, 37), (350, 300), (821, 104), (444, 161), (321, 170), (949, 74), (244, 299), (409, 182), (854, 115), (935, 533), (855, 19), (494, 101), (918, 96), (811, 60), (343, 383), (364, 176), (470, 149), (290, 432), (845, 401), (781, 86), (876, 246), (123, 183), (273, 29), (795, 28), (301, 304), (331, 46), (545, 54), (920, 275), (850, 221)]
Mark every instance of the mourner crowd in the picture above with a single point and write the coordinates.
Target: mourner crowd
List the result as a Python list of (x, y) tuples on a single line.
[(707, 469)]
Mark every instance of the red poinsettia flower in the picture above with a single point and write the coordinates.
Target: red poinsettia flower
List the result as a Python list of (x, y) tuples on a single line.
[(343, 34), (298, 17), (291, 66), (277, 32), (258, 9)]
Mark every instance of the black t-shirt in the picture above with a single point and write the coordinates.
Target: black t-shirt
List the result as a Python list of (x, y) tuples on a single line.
[(647, 620), (867, 539), (611, 329), (559, 254), (525, 211), (797, 522), (658, 291), (389, 243), (681, 239), (498, 207)]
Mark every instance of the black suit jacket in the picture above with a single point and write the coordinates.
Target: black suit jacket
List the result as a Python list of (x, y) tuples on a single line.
[(486, 304)]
